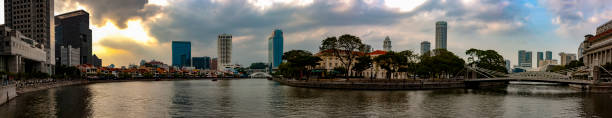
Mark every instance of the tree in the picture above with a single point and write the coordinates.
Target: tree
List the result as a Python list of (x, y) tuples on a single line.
[(392, 62), (343, 48), (412, 62), (298, 61), (258, 65), (363, 63), (440, 63), (487, 59)]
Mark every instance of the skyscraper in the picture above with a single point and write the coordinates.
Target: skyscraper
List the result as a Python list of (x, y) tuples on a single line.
[(224, 50), (181, 53), (33, 18), (508, 66), (548, 55), (425, 47), (97, 62), (524, 59), (387, 44), (539, 58), (275, 49), (72, 29), (201, 62), (441, 34)]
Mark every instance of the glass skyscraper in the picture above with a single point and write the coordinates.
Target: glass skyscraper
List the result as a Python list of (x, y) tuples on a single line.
[(181, 53), (275, 49), (548, 55), (201, 62), (524, 58), (441, 34)]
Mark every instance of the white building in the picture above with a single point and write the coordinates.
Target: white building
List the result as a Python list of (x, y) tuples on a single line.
[(597, 50), (224, 50), (387, 44), (18, 52)]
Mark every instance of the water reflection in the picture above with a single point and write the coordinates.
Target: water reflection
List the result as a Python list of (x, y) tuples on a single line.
[(262, 98)]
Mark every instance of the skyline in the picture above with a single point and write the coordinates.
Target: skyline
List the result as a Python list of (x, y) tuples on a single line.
[(143, 29)]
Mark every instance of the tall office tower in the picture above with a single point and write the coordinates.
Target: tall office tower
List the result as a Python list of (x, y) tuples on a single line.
[(524, 59), (181, 53), (387, 44), (275, 49), (33, 18), (72, 29), (539, 58), (425, 47), (201, 62), (548, 55), (224, 51), (441, 34)]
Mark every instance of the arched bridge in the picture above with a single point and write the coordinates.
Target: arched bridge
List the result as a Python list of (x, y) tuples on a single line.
[(533, 76), (260, 75)]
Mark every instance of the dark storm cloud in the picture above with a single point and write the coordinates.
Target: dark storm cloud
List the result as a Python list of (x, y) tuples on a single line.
[(118, 11)]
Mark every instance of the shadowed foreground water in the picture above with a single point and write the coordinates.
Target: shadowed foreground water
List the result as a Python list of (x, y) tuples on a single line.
[(263, 98)]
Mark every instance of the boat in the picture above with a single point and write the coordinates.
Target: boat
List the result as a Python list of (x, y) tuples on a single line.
[(215, 79)]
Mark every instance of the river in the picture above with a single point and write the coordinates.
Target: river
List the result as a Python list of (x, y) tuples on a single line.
[(264, 98)]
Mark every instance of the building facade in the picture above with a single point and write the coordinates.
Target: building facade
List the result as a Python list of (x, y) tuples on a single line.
[(441, 27), (275, 49), (540, 57), (508, 68), (72, 29), (19, 53), (566, 58), (597, 49), (181, 53), (69, 56), (425, 47), (224, 51), (524, 59), (97, 62), (548, 55), (34, 19), (387, 44), (213, 64), (201, 62)]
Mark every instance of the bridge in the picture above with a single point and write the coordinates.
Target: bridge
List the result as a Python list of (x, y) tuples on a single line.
[(260, 75), (477, 75)]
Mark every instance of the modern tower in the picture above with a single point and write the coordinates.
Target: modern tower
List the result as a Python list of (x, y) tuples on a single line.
[(72, 29), (425, 47), (181, 53), (548, 55), (441, 34), (34, 18), (524, 59), (387, 44), (224, 51), (539, 58), (275, 49)]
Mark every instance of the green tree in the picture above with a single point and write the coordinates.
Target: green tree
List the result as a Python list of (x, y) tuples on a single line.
[(391, 62), (343, 48), (258, 65), (363, 63), (440, 63), (487, 59), (411, 65), (298, 61)]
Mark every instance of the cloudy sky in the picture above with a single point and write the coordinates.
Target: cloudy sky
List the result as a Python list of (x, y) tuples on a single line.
[(126, 31)]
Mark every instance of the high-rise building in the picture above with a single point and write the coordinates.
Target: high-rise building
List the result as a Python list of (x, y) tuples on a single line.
[(548, 55), (72, 29), (387, 44), (425, 47), (508, 68), (34, 19), (224, 51), (201, 62), (68, 56), (524, 59), (540, 57), (97, 62), (18, 53), (566, 58), (275, 49), (441, 34), (181, 53), (213, 64)]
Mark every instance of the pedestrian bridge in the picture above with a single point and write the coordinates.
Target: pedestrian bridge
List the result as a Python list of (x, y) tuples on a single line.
[(260, 75), (532, 76)]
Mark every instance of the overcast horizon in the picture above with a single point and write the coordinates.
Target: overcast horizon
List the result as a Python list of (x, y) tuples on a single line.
[(126, 31)]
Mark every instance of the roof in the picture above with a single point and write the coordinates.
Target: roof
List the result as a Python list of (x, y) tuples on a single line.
[(72, 14), (377, 52), (601, 35), (332, 51)]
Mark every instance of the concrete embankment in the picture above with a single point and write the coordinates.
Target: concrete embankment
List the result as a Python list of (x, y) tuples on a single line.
[(7, 93), (420, 85)]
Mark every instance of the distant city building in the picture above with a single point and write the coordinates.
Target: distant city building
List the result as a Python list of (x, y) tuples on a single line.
[(441, 27), (548, 55), (508, 68), (19, 53), (69, 56), (597, 50), (181, 53), (275, 49), (366, 48), (224, 51), (524, 59), (547, 62), (540, 57), (387, 44), (97, 62), (201, 62), (34, 19), (72, 29), (425, 47), (213, 64), (566, 58)]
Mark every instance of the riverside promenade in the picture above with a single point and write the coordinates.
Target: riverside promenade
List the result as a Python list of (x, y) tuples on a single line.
[(379, 84)]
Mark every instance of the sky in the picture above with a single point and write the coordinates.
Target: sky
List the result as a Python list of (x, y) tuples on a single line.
[(127, 31)]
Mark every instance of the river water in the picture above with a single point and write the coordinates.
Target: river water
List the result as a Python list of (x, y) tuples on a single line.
[(264, 98)]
